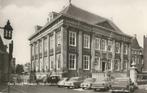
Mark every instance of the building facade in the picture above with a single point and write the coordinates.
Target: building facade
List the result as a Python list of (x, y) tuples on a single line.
[(76, 42), (137, 54)]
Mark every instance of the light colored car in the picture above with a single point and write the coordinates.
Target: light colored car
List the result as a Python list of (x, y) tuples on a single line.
[(87, 83), (74, 82), (122, 85), (61, 83), (103, 84)]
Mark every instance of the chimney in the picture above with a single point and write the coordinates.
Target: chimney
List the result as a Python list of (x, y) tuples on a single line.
[(52, 15), (37, 28)]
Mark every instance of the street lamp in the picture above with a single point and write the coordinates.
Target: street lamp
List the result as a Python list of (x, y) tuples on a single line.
[(8, 35), (7, 30)]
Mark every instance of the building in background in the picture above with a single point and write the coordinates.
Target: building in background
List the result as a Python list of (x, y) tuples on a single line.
[(75, 42), (4, 60), (145, 54), (27, 67)]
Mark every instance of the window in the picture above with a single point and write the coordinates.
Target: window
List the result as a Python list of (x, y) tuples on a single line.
[(58, 61), (125, 65), (40, 47), (51, 42), (58, 35), (109, 64), (97, 43), (125, 49), (117, 47), (86, 41), (51, 62), (109, 48), (45, 46), (116, 65), (32, 52), (103, 45), (72, 61), (72, 38), (97, 63), (86, 62)]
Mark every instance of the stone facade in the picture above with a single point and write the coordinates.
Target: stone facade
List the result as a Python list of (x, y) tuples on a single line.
[(68, 46)]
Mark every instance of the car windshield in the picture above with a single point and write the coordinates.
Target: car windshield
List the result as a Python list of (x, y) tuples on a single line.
[(89, 80), (64, 79), (121, 81), (74, 78)]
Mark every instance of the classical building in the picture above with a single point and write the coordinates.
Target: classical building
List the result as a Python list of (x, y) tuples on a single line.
[(76, 42), (136, 54)]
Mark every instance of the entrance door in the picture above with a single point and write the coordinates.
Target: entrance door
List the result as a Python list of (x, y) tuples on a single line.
[(103, 66)]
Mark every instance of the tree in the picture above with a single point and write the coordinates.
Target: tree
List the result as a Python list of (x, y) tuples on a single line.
[(19, 69)]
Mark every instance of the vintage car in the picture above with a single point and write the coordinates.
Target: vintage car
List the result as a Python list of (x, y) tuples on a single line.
[(142, 79), (87, 83), (103, 84), (74, 82), (61, 83), (122, 85), (53, 80)]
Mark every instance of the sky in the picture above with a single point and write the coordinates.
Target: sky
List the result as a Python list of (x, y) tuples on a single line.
[(129, 15)]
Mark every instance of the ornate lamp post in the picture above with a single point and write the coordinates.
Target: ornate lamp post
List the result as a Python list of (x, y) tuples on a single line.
[(8, 35)]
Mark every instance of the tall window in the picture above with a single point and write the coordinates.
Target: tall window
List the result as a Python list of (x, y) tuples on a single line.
[(72, 38), (116, 64), (58, 35), (109, 48), (86, 41), (97, 63), (58, 61), (51, 62), (97, 43), (40, 46), (32, 52), (125, 49), (103, 44), (117, 47), (125, 65), (45, 46), (109, 64), (51, 42), (86, 62), (72, 61)]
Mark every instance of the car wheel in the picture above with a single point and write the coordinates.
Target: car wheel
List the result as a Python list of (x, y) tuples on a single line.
[(95, 89)]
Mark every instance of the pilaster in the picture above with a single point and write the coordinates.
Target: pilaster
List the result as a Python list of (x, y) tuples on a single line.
[(64, 47), (92, 51), (113, 55), (122, 54), (48, 52), (43, 66)]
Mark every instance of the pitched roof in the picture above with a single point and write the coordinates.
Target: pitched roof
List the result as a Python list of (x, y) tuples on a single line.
[(134, 43), (85, 16), (81, 14)]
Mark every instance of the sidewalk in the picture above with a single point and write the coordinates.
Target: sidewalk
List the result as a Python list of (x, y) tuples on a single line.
[(2, 87)]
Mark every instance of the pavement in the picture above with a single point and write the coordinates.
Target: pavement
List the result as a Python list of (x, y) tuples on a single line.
[(53, 89)]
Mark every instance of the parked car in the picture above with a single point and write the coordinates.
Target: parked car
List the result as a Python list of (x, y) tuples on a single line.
[(103, 84), (142, 79), (53, 79), (61, 83), (122, 85), (73, 82), (87, 83)]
